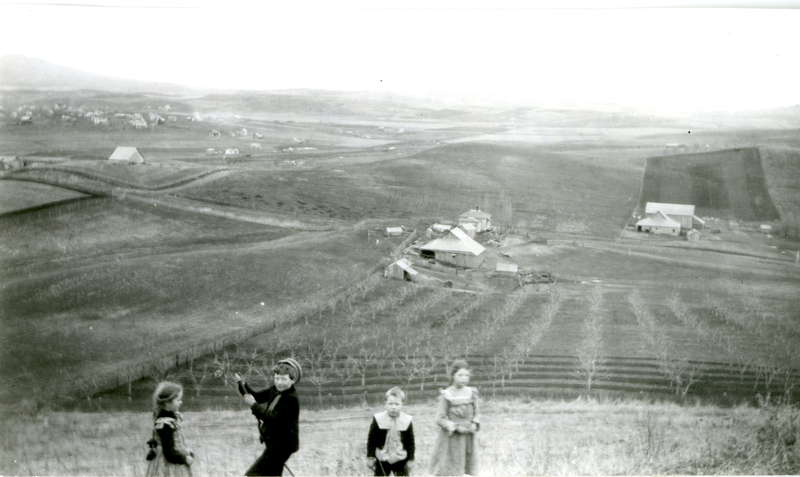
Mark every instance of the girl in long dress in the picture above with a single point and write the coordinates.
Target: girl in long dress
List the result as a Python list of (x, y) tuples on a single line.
[(169, 455), (456, 450)]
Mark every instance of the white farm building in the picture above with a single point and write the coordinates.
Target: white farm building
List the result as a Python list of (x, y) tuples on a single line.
[(455, 248), (659, 223), (401, 270), (683, 213), (127, 154)]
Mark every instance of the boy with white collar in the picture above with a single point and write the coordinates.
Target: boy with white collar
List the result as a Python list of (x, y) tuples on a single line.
[(390, 444)]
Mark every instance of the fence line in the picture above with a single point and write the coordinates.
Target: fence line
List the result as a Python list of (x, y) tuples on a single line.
[(404, 244)]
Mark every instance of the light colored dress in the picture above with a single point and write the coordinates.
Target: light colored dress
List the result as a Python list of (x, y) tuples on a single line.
[(456, 453)]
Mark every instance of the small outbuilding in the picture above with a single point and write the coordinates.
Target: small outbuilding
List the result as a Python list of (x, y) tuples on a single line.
[(693, 235), (507, 269), (437, 230), (401, 270), (765, 228), (470, 229), (127, 154), (659, 223), (393, 231)]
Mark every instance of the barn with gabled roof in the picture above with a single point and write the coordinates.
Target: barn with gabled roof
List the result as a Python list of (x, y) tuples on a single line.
[(659, 223), (456, 248)]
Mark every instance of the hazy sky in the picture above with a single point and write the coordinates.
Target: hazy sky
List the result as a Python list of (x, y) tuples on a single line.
[(697, 58)]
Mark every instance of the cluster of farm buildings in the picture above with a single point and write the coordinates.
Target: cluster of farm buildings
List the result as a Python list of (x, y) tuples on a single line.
[(670, 219), (449, 245)]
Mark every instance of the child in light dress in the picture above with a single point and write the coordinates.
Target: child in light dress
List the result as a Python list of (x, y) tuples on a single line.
[(458, 417)]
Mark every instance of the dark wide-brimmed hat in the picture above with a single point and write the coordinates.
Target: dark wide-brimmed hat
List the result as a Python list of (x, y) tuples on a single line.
[(295, 365)]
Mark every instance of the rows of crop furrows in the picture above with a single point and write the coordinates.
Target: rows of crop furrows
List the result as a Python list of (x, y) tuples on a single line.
[(535, 340)]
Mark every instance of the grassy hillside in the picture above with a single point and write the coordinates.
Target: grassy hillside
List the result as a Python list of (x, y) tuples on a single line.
[(519, 185), (517, 437), (117, 284)]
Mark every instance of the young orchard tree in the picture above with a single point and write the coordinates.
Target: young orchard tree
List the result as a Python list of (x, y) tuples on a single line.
[(536, 328), (590, 350), (318, 369), (681, 373)]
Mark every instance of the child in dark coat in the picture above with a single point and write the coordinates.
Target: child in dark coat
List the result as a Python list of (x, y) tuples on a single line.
[(390, 444), (278, 411), (168, 455)]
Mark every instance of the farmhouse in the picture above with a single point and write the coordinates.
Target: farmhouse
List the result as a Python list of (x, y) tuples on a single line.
[(480, 219), (684, 214), (659, 223), (128, 154), (393, 231), (401, 270), (456, 248)]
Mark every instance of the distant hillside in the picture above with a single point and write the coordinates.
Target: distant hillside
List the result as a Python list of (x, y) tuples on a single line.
[(17, 71), (726, 183)]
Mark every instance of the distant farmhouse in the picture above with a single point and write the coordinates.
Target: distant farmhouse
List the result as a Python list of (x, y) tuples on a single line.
[(128, 154), (666, 218), (455, 248), (480, 219)]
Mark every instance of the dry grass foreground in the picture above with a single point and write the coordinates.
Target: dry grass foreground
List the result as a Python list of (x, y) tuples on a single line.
[(519, 437)]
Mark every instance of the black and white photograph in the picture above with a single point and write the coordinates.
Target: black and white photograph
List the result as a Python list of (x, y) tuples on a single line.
[(399, 238)]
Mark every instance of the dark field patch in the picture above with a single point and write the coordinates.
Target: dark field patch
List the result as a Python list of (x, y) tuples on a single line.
[(727, 183)]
